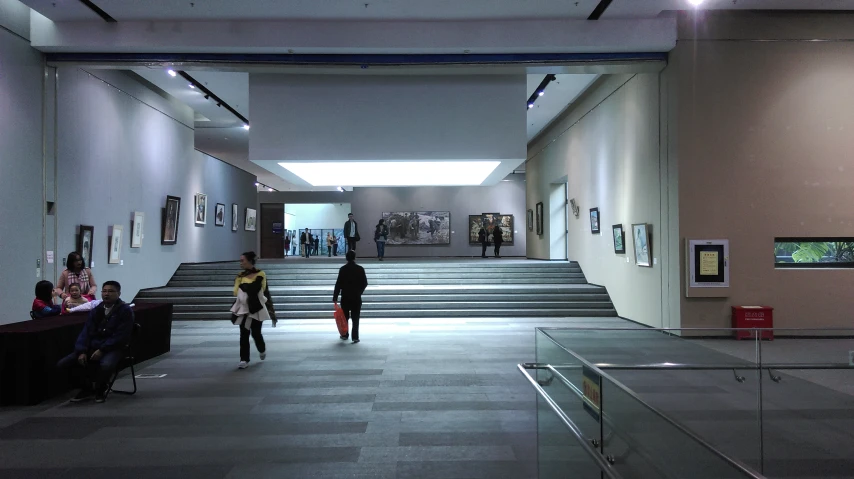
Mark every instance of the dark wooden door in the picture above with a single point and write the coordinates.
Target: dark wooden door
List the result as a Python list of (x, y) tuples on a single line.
[(272, 230)]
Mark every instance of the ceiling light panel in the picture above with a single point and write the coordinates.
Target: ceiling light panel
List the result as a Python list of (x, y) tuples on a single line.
[(392, 173)]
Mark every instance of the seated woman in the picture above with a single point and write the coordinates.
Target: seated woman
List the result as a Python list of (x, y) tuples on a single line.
[(76, 272), (43, 304), (75, 297)]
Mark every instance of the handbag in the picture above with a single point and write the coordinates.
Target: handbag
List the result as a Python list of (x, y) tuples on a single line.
[(341, 321)]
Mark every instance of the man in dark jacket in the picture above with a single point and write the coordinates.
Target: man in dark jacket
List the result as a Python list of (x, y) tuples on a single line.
[(351, 283), (351, 232), (497, 238), (483, 239), (101, 344)]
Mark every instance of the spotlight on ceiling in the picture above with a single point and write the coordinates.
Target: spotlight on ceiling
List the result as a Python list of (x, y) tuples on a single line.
[(695, 3), (245, 126), (341, 189), (256, 183), (207, 96), (219, 104), (530, 105), (171, 73), (540, 93), (192, 86), (270, 189)]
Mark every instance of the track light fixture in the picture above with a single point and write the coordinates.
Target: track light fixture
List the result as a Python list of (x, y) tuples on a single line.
[(209, 95), (171, 73), (262, 185), (341, 189), (541, 90)]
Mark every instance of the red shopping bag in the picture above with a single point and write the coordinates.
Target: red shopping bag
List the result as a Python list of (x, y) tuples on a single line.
[(341, 321)]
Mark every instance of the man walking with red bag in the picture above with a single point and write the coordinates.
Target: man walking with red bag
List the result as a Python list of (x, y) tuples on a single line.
[(351, 283)]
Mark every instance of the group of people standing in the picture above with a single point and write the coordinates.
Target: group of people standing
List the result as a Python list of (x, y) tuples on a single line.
[(310, 243), (497, 239)]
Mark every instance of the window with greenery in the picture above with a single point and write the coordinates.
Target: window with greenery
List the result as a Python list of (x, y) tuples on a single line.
[(814, 252)]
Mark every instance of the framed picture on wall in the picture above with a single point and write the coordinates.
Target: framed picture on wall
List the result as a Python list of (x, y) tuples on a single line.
[(116, 245), (530, 220), (235, 219), (594, 221), (171, 215), (219, 215), (250, 220), (539, 218), (643, 247), (84, 244), (200, 208), (619, 239), (138, 223)]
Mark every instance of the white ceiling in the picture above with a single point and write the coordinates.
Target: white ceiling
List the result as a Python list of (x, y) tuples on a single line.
[(127, 10), (559, 94)]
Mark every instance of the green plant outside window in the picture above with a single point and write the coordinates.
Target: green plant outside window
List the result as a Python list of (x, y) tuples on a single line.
[(814, 252)]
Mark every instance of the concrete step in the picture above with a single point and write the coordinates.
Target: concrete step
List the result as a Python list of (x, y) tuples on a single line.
[(387, 274), (376, 298), (435, 305), (321, 263), (415, 313), (374, 281)]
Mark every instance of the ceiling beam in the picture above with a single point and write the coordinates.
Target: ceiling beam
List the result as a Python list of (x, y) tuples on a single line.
[(600, 9)]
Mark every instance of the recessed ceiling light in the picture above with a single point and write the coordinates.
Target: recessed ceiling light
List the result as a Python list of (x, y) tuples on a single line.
[(392, 173), (171, 73)]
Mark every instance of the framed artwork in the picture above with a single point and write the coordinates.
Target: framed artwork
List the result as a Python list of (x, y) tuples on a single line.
[(116, 245), (643, 248), (219, 215), (488, 221), (250, 220), (84, 244), (530, 220), (200, 208), (235, 219), (619, 239), (138, 223), (171, 215), (418, 227), (539, 218), (594, 221)]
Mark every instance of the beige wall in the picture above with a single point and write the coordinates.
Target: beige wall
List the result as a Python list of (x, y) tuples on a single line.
[(606, 148), (766, 148)]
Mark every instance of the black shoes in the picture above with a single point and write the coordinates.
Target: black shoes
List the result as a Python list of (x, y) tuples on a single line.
[(83, 395), (355, 341), (344, 338), (100, 397)]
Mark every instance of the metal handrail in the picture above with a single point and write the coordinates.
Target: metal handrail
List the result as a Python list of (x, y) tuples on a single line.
[(734, 463), (600, 461)]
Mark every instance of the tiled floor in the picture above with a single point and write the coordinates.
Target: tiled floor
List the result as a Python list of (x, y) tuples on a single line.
[(412, 400)]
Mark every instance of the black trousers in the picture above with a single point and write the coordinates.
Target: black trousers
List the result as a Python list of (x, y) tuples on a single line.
[(255, 330), (497, 248), (97, 372), (335, 249), (351, 244), (352, 311), (483, 251)]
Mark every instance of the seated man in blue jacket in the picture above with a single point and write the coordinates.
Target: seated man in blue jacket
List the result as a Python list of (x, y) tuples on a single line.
[(101, 344)]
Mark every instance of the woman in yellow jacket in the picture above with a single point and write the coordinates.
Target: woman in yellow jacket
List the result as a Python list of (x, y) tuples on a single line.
[(252, 306)]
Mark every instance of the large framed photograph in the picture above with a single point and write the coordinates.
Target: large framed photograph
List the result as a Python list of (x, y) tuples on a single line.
[(418, 227), (539, 218), (219, 215), (235, 219), (136, 235), (116, 245), (530, 220), (250, 220), (200, 208), (594, 221), (619, 239), (488, 221), (84, 244), (643, 247), (169, 225)]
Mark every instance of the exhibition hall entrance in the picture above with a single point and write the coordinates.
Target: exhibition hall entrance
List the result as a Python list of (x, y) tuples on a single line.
[(285, 224)]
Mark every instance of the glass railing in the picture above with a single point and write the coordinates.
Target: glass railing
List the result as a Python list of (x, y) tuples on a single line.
[(648, 403)]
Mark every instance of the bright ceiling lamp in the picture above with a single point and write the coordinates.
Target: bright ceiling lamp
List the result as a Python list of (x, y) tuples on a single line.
[(392, 173), (695, 3)]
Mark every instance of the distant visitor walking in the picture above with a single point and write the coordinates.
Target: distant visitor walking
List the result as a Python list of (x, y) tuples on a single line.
[(253, 306), (483, 238), (351, 232), (380, 237), (351, 283), (497, 238)]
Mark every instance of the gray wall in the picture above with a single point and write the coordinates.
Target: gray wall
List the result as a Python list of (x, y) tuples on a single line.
[(21, 206), (606, 149), (123, 148), (507, 197)]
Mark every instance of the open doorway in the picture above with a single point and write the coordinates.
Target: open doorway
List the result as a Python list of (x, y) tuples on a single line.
[(325, 223)]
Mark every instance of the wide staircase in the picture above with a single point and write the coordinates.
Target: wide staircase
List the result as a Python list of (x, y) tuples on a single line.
[(398, 288)]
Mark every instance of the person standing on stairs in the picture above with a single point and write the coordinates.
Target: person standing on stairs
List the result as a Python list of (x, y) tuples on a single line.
[(497, 238), (351, 283), (380, 237), (252, 307)]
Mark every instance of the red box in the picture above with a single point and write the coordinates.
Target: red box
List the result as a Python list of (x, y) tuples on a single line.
[(753, 317)]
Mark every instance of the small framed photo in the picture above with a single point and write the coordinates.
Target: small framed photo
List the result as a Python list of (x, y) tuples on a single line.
[(138, 223), (235, 219), (643, 247), (619, 239), (84, 244), (116, 245), (539, 218), (594, 221), (250, 220), (219, 215), (201, 208), (171, 215), (530, 220)]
